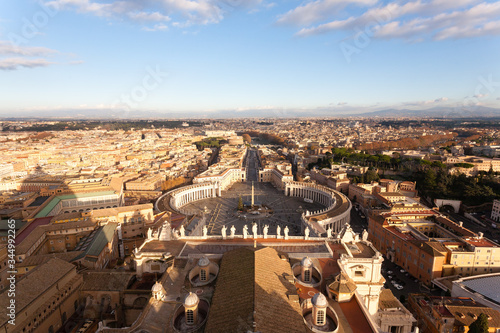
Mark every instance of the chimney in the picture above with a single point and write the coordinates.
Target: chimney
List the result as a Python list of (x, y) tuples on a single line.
[(460, 223), (480, 235)]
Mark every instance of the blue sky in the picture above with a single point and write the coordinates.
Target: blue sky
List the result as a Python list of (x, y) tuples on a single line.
[(211, 55)]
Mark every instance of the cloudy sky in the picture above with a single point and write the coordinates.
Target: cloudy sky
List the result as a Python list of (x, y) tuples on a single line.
[(211, 55)]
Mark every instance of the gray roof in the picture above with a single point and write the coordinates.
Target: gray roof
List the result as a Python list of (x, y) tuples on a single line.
[(486, 286), (97, 240)]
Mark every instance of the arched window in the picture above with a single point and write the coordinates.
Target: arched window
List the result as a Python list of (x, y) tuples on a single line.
[(190, 316), (320, 317), (307, 276), (203, 275)]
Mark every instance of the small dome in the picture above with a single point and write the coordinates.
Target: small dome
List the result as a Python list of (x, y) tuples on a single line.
[(191, 300), (157, 287), (320, 300), (306, 262), (203, 262)]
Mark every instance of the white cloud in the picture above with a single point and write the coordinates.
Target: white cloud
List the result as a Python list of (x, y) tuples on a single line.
[(185, 12), (8, 48), (16, 63), (480, 95), (318, 10), (413, 21), (156, 27), (426, 102)]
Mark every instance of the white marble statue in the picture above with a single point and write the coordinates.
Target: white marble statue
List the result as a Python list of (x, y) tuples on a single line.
[(286, 232), (306, 233), (233, 231), (254, 230), (278, 231), (245, 231), (205, 231), (223, 231), (330, 233), (364, 235), (266, 229), (150, 233), (182, 231)]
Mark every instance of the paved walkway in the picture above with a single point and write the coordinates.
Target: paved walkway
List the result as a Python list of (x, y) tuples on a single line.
[(222, 210)]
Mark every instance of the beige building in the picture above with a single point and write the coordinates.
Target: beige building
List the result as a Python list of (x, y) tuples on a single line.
[(44, 300), (149, 183)]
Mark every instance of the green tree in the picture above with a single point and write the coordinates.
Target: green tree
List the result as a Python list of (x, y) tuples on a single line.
[(430, 180), (480, 325), (371, 175)]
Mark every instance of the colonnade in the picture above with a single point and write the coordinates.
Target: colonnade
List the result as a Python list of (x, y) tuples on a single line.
[(192, 193), (328, 221), (317, 193)]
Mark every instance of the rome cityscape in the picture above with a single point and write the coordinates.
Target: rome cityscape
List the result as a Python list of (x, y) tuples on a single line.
[(228, 166)]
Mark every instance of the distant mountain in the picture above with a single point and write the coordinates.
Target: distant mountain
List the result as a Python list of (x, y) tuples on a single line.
[(436, 112)]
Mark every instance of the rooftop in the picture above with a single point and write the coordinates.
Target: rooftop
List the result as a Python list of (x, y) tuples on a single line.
[(34, 285), (486, 286), (106, 281), (252, 294), (48, 208)]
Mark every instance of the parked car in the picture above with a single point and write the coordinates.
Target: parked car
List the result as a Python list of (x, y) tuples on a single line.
[(402, 270), (390, 272)]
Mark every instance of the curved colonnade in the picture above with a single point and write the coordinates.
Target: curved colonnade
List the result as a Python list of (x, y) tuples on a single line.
[(330, 219)]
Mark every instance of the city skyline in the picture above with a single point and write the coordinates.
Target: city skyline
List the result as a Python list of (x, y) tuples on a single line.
[(248, 57)]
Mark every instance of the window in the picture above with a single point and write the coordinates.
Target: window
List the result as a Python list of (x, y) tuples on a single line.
[(358, 273), (320, 317), (203, 275), (190, 317), (307, 276)]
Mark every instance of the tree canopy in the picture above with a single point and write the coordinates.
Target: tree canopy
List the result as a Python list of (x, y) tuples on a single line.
[(480, 325)]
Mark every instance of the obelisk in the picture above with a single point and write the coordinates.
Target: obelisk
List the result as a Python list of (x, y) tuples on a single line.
[(252, 195)]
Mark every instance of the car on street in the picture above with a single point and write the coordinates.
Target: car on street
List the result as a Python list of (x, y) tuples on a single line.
[(390, 272)]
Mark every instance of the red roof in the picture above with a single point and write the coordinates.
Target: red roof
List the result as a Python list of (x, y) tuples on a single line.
[(30, 227), (355, 316)]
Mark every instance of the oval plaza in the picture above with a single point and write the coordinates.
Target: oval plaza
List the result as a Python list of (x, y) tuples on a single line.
[(213, 200)]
